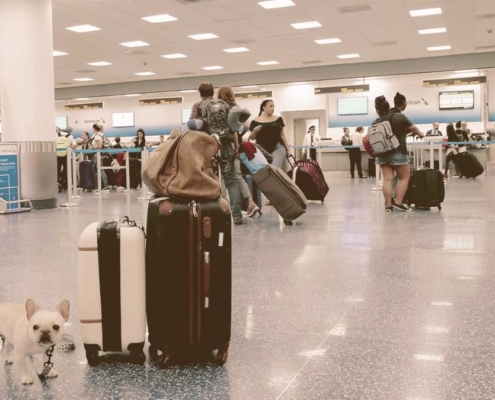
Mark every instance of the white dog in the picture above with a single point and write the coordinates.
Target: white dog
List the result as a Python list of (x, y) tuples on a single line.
[(30, 330)]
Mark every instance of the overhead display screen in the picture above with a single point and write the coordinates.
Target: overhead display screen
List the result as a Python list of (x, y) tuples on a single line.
[(123, 120), (352, 106), (186, 113), (458, 100), (61, 122)]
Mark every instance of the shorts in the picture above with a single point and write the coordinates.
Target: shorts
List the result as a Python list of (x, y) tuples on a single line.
[(395, 158)]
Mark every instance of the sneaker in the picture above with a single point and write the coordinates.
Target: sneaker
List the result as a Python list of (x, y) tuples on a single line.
[(120, 189), (401, 207), (389, 209), (239, 221)]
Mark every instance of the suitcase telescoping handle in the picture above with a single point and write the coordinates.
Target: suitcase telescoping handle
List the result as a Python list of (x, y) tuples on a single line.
[(291, 160), (418, 152)]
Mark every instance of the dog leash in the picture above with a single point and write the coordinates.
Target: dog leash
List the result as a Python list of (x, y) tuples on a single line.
[(67, 343)]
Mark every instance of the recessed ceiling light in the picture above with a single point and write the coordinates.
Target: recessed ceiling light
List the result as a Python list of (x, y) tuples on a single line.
[(188, 91), (57, 53), (155, 19), (425, 12), (345, 56), (328, 41), (132, 95), (276, 4), (136, 43), (439, 48), (100, 64), (248, 87), (173, 56), (268, 63), (236, 50), (83, 28), (466, 71), (306, 25), (203, 36), (298, 83), (212, 68), (431, 31), (81, 98), (83, 79), (144, 73)]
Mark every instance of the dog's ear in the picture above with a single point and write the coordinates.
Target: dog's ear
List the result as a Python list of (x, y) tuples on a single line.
[(31, 308), (63, 308)]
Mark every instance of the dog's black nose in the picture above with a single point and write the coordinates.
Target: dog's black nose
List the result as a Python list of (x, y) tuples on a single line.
[(45, 332)]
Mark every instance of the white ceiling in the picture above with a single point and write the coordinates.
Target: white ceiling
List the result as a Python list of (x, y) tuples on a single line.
[(267, 33)]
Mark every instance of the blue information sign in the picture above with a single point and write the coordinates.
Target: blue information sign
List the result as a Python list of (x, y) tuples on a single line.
[(9, 174)]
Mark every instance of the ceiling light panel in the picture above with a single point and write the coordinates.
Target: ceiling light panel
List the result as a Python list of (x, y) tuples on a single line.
[(156, 19), (346, 56), (84, 79), (269, 5), (132, 95), (212, 68), (268, 63), (328, 41), (432, 31), (81, 98), (439, 48), (136, 43), (306, 25), (174, 56), (57, 53), (425, 12), (203, 36), (236, 50), (83, 28), (99, 64), (144, 73)]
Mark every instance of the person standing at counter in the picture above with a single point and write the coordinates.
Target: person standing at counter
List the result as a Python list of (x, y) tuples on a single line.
[(310, 139), (435, 131), (355, 154), (268, 131)]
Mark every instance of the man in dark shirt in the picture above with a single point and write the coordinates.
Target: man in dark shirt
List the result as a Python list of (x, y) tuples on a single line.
[(435, 131)]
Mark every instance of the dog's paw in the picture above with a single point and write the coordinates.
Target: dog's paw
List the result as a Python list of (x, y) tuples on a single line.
[(9, 360), (27, 380), (52, 374)]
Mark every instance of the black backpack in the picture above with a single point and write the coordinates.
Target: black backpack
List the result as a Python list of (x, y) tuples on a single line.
[(215, 114)]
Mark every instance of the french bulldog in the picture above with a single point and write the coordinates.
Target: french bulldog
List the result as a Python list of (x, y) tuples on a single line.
[(29, 330)]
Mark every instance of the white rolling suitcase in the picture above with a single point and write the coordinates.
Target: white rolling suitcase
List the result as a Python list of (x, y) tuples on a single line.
[(111, 280)]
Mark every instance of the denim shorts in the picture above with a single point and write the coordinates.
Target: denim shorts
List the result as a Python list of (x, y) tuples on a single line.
[(395, 158)]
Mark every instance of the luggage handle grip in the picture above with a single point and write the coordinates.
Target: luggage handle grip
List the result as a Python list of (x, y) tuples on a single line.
[(292, 161), (206, 279)]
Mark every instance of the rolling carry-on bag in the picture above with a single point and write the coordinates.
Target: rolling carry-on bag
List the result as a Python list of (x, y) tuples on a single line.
[(86, 176), (469, 166), (426, 186), (308, 176), (285, 196), (188, 279), (111, 289)]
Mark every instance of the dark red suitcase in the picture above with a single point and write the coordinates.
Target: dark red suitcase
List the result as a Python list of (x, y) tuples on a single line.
[(188, 279), (309, 178)]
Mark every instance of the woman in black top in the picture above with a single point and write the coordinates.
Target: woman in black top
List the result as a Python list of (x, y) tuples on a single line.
[(268, 130), (451, 137), (397, 160), (139, 141)]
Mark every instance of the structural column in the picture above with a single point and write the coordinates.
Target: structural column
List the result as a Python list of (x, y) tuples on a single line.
[(27, 95)]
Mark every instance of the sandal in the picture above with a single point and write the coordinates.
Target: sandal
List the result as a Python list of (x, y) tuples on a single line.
[(252, 212)]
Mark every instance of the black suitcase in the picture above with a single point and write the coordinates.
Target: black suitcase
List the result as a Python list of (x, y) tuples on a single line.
[(469, 166), (86, 176), (188, 279), (426, 189)]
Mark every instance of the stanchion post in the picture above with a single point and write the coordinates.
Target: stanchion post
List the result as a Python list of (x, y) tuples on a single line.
[(69, 203), (127, 172), (144, 188), (432, 155), (98, 173), (74, 176)]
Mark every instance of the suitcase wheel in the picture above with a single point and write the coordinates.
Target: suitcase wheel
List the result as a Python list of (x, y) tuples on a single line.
[(138, 357), (288, 223), (221, 357), (92, 358), (153, 352)]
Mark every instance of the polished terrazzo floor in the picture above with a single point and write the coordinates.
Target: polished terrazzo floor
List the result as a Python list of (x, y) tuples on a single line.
[(349, 303)]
